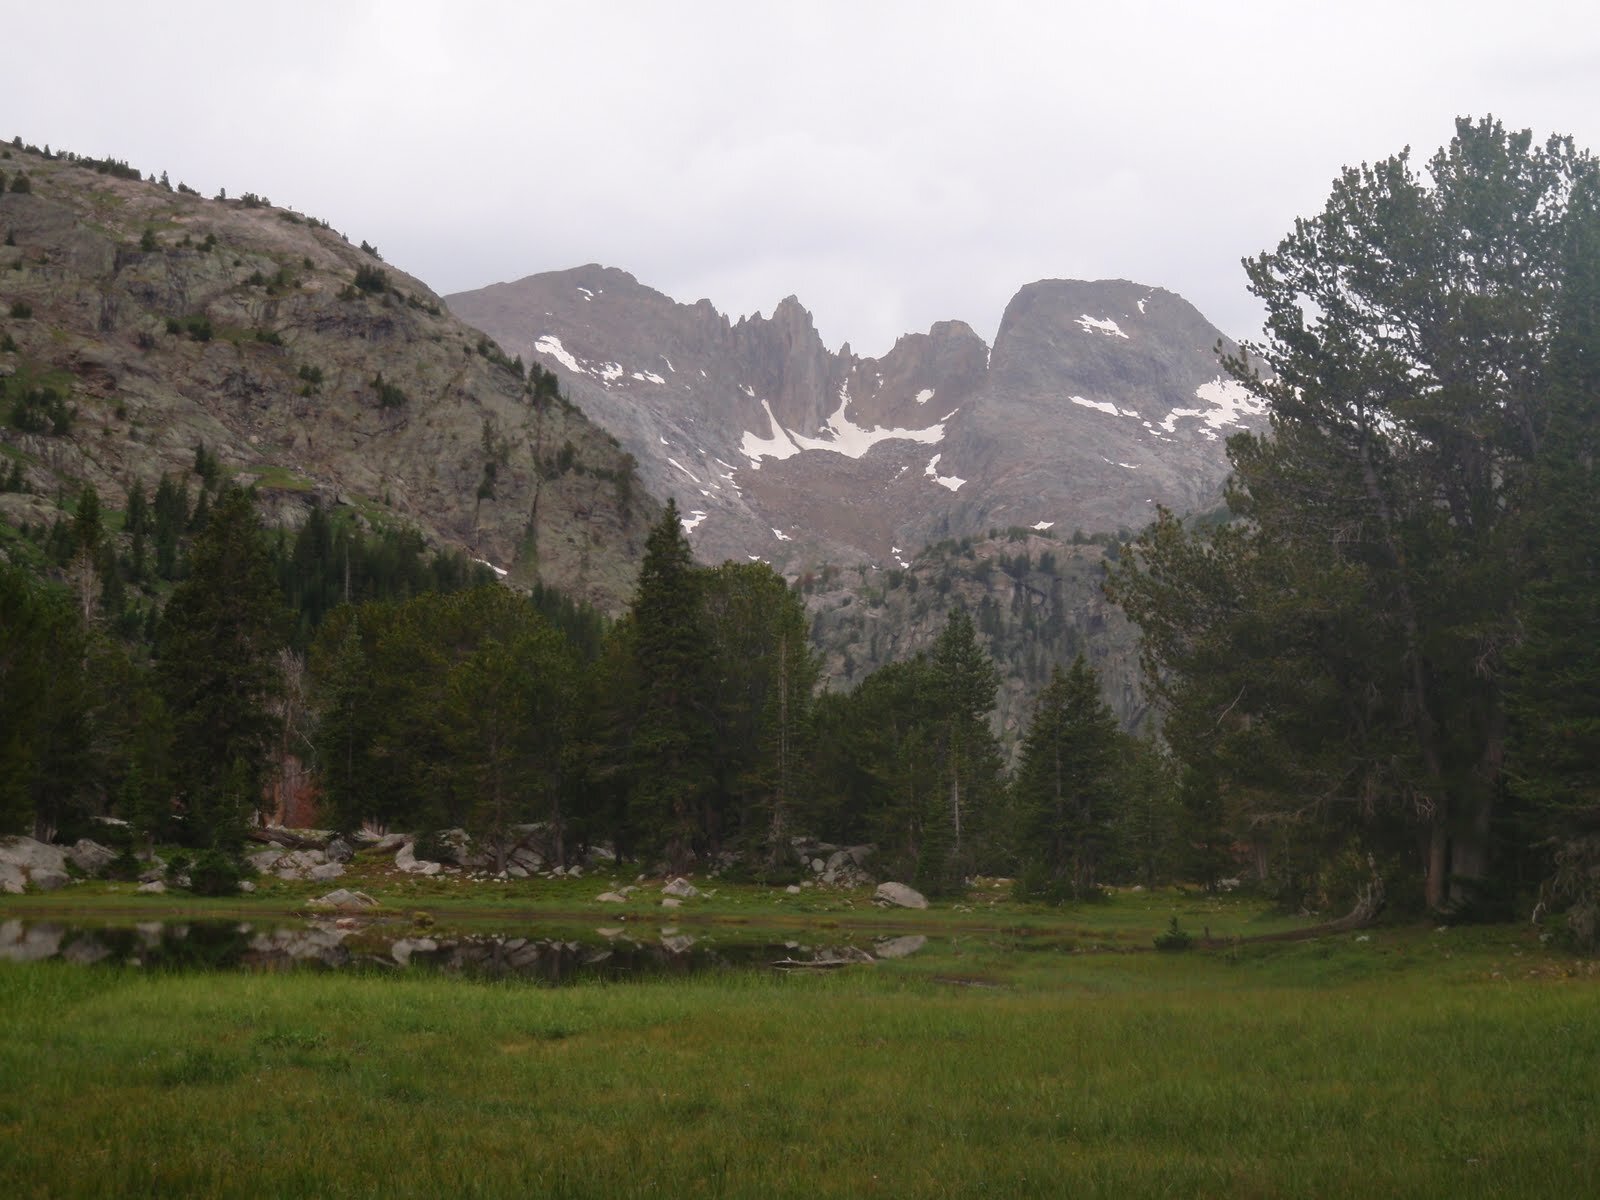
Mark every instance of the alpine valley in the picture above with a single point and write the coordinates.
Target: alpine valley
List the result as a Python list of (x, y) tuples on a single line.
[(887, 489)]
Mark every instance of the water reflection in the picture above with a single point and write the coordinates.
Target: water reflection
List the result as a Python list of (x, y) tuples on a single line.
[(611, 952)]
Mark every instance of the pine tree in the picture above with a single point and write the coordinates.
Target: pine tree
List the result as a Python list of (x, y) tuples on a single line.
[(673, 736), (218, 644), (1063, 790)]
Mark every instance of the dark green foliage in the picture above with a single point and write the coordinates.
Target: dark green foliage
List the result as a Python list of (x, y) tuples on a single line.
[(147, 241), (390, 395), (372, 280), (1174, 938), (1064, 792), (219, 641), (672, 751), (38, 410), (21, 310), (21, 184), (1335, 663), (215, 873)]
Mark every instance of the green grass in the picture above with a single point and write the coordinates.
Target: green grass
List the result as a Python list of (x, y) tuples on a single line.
[(1002, 1061)]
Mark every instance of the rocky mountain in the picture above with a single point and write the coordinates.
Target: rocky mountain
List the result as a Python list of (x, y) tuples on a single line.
[(1036, 600), (138, 322), (1097, 402)]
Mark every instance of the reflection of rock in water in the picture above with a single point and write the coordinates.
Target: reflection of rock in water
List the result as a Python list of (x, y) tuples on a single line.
[(213, 945), (29, 943)]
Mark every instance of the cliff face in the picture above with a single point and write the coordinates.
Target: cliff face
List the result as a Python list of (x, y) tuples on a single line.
[(304, 364), (1098, 402)]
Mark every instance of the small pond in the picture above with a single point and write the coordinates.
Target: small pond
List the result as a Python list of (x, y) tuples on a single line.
[(607, 952)]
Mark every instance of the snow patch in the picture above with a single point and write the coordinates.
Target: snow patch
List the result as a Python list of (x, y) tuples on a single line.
[(777, 445), (646, 377), (748, 390), (1101, 325), (684, 469), (587, 294), (499, 571), (1041, 526), (551, 345), (692, 520), (668, 361), (1099, 405), (1130, 466), (924, 395), (949, 481), (1229, 405), (853, 440), (781, 535)]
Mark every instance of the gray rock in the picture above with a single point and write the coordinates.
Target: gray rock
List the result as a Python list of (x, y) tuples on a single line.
[(91, 857), (325, 871), (247, 886), (264, 860), (30, 855), (671, 902), (406, 860), (391, 842), (681, 888), (611, 898), (47, 880), (676, 943), (793, 889), (899, 947), (12, 880), (154, 888), (901, 895), (339, 850)]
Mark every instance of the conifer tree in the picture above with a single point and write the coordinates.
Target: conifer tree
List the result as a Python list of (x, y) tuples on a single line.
[(672, 753), (218, 644), (1063, 790)]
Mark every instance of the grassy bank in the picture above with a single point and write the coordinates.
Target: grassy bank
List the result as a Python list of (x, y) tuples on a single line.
[(1413, 1063)]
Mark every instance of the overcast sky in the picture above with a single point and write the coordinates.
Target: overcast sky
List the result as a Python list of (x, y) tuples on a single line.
[(891, 164)]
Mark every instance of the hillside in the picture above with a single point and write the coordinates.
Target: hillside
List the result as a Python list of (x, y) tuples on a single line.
[(139, 322)]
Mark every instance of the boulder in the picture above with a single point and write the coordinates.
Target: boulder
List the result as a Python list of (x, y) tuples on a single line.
[(30, 855), (91, 857), (344, 898), (12, 879), (406, 860), (611, 898), (899, 947), (792, 890), (681, 888), (670, 902), (325, 871), (264, 860), (47, 880), (391, 842), (339, 851), (154, 888), (247, 886), (900, 895)]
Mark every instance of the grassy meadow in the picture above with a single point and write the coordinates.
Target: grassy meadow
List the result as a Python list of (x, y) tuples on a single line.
[(1025, 1052)]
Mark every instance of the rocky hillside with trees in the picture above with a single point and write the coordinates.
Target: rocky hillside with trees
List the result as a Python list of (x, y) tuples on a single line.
[(144, 328)]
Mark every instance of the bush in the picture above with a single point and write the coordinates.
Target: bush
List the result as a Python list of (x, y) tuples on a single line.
[(22, 310), (215, 874), (372, 280), (1174, 938)]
